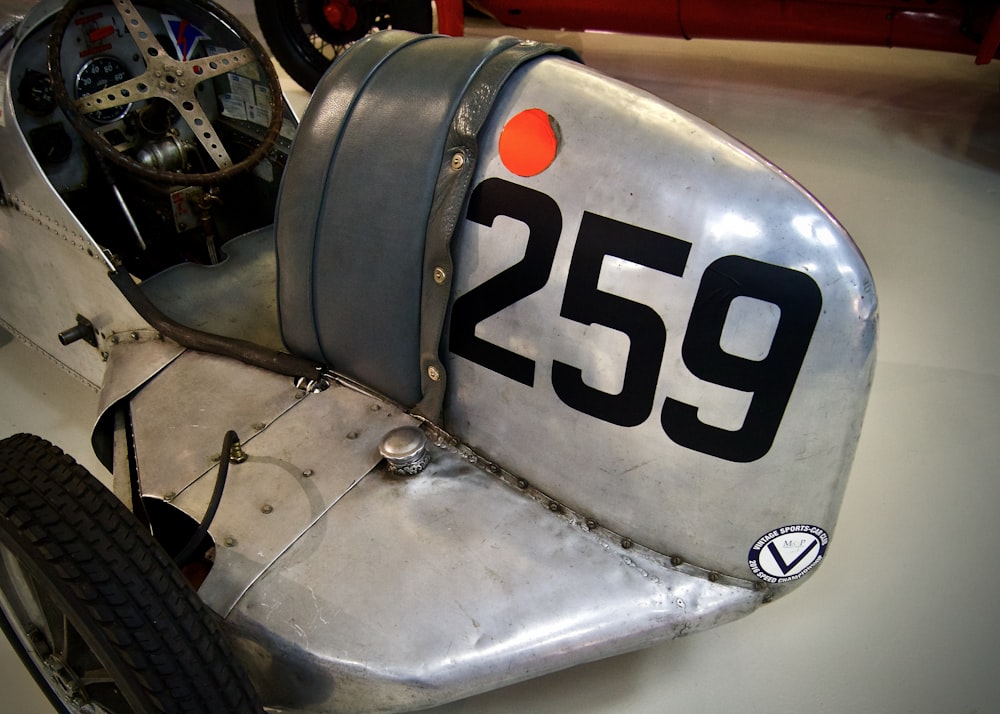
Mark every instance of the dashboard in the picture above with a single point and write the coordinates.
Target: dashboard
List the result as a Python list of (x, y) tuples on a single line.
[(99, 52)]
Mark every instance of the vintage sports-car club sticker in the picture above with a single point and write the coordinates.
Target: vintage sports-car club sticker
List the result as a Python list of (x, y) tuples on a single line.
[(787, 553)]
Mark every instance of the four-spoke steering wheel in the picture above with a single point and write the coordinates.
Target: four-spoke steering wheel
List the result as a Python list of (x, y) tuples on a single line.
[(169, 79)]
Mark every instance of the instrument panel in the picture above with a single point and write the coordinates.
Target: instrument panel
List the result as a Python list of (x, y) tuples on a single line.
[(98, 52)]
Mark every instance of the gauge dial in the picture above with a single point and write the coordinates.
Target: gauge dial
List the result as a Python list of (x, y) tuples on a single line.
[(35, 93), (50, 143), (100, 73)]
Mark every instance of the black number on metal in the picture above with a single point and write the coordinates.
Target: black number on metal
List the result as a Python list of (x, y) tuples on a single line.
[(771, 380), (584, 303), (496, 197)]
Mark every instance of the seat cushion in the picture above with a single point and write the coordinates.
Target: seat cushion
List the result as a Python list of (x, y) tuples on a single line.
[(352, 215)]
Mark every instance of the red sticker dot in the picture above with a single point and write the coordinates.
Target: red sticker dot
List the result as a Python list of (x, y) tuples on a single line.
[(529, 142)]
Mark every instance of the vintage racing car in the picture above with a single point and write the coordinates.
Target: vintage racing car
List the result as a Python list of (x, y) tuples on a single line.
[(490, 366)]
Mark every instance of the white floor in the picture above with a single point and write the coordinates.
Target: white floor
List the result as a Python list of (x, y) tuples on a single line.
[(904, 148)]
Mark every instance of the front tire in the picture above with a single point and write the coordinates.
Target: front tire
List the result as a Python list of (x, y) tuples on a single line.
[(304, 43), (92, 604)]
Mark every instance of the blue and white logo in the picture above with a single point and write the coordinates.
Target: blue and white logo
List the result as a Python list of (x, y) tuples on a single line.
[(787, 553), (184, 35)]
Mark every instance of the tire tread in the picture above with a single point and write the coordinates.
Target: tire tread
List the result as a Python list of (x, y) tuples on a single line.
[(115, 573)]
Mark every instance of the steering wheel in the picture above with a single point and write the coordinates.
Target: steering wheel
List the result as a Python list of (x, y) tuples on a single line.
[(172, 80)]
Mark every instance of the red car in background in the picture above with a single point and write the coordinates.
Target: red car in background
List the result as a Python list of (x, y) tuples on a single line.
[(306, 35)]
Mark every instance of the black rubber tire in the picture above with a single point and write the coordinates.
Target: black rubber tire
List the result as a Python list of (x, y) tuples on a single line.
[(305, 50), (83, 588)]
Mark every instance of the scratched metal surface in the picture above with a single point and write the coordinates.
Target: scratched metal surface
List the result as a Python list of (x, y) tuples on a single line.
[(412, 592), (385, 593)]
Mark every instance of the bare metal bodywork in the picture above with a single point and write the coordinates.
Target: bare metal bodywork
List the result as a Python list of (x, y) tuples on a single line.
[(556, 522)]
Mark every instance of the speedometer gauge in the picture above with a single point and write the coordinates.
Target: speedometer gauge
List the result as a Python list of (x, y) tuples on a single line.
[(100, 73)]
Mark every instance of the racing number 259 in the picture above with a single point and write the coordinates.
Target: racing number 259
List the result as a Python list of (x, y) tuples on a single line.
[(770, 380)]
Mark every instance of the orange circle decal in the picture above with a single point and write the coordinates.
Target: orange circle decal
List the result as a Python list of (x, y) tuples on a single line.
[(529, 142)]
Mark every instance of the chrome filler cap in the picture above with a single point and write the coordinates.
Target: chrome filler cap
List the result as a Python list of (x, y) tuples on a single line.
[(405, 450)]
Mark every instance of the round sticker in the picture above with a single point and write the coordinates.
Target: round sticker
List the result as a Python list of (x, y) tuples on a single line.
[(787, 553), (529, 142)]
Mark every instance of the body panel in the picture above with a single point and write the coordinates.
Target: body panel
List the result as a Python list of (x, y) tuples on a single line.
[(686, 188), (384, 593), (41, 238)]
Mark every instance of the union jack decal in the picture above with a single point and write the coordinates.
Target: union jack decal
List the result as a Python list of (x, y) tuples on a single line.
[(184, 35)]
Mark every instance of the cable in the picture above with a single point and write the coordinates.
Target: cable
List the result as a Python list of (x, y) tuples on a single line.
[(188, 550)]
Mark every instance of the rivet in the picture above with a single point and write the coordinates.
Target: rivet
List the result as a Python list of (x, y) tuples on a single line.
[(375, 407), (714, 577), (554, 507), (627, 543), (259, 426), (134, 336), (229, 542), (676, 561), (352, 435), (169, 496), (458, 161), (307, 473), (591, 524), (433, 373), (521, 483), (266, 508), (440, 276)]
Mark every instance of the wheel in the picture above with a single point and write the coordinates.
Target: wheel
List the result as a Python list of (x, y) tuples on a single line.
[(307, 35), (93, 605), (172, 82)]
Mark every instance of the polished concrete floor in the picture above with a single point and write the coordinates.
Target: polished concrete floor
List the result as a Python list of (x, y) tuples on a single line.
[(904, 148)]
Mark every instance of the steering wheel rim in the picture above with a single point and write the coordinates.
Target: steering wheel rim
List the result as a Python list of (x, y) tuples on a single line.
[(172, 80)]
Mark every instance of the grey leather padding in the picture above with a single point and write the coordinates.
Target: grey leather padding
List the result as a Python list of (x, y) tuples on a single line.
[(356, 197), (352, 214)]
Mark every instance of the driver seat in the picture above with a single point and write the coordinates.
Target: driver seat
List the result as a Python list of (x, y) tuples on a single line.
[(367, 206), (370, 192)]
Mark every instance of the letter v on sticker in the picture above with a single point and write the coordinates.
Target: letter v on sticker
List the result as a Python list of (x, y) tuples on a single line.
[(787, 553)]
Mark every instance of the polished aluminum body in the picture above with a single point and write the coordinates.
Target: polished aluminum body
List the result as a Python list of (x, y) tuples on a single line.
[(638, 160), (551, 521), (348, 587)]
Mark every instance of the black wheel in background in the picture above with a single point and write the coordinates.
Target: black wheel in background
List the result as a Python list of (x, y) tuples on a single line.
[(92, 604), (305, 36)]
